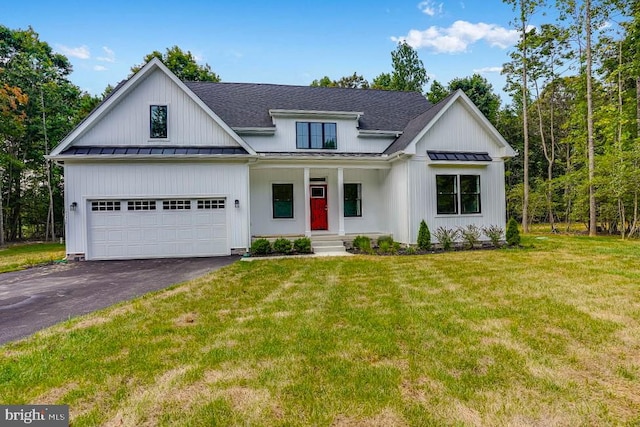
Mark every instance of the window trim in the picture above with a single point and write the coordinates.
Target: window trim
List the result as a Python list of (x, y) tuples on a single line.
[(158, 138), (359, 199), (324, 138), (458, 194), (273, 200)]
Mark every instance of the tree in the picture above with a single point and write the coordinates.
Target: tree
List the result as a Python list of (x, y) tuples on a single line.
[(354, 81), (480, 91), (182, 64), (437, 92), (408, 73)]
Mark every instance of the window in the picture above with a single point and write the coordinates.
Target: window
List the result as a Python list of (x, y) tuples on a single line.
[(141, 205), (282, 195), (173, 205), (352, 200), (316, 135), (105, 205), (449, 198), (158, 121), (211, 204), (470, 194)]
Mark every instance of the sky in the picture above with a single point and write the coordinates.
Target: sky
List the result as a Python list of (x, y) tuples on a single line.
[(283, 42)]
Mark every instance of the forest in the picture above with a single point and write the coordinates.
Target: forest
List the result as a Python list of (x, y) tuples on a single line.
[(573, 115)]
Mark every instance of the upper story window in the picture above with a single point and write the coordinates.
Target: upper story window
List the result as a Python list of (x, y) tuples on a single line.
[(315, 135), (158, 121)]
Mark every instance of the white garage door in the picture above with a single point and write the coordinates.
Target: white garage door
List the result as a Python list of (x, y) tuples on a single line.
[(146, 228)]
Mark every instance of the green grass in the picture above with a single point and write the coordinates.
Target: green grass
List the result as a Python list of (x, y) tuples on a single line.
[(19, 257), (547, 335)]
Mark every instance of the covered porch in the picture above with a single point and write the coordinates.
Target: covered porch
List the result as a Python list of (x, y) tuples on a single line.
[(336, 201)]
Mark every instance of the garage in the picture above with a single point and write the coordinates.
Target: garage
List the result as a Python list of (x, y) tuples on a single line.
[(157, 228)]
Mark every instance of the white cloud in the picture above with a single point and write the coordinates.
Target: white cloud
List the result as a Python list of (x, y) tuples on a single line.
[(99, 68), (110, 55), (429, 7), (459, 36), (486, 70), (81, 52)]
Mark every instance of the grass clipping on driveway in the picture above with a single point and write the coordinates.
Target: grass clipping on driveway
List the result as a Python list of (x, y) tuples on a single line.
[(548, 335)]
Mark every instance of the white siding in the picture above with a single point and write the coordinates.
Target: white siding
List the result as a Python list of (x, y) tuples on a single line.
[(397, 202), (284, 139), (422, 178), (86, 181), (262, 221), (457, 130), (128, 122), (374, 213)]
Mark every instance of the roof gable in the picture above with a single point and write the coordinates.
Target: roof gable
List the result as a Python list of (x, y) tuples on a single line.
[(121, 94), (419, 126)]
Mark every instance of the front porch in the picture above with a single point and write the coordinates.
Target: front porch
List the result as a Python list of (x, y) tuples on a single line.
[(322, 203)]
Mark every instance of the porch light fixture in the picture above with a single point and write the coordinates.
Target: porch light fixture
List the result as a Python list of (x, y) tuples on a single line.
[(73, 206), (237, 203)]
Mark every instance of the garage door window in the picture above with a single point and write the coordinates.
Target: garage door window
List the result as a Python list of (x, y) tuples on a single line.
[(141, 205), (211, 204), (105, 205), (173, 205)]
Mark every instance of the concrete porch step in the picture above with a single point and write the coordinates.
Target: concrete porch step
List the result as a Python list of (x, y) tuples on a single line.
[(327, 246)]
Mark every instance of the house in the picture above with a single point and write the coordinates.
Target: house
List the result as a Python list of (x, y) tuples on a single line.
[(165, 168)]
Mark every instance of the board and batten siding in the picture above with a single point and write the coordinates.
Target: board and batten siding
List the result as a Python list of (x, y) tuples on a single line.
[(374, 212), (394, 186), (147, 180), (422, 189), (129, 122), (284, 139)]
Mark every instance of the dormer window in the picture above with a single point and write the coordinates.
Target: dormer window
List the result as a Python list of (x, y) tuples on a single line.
[(315, 135), (158, 121)]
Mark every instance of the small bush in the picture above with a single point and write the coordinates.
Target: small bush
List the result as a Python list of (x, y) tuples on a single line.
[(302, 245), (362, 243), (385, 240), (424, 236), (282, 246), (446, 237), (494, 233), (513, 233), (260, 247), (411, 250), (470, 235)]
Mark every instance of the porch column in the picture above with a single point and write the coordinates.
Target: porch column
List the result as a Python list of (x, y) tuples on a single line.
[(307, 204), (341, 201)]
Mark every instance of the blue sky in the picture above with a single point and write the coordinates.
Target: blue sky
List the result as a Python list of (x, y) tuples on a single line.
[(286, 42)]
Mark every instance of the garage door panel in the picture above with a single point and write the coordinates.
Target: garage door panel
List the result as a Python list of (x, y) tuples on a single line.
[(157, 233)]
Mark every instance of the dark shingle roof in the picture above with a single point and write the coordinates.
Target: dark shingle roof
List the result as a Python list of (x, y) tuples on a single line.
[(248, 104), (464, 156)]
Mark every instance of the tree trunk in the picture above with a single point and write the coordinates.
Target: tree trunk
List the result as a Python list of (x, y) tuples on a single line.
[(525, 125), (50, 228), (590, 142)]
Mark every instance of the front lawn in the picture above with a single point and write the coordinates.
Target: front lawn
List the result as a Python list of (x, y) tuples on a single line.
[(548, 335), (18, 257)]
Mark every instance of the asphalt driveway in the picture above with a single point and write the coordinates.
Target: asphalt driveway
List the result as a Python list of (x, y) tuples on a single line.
[(39, 297)]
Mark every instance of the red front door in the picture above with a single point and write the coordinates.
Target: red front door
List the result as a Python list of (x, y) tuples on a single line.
[(319, 209)]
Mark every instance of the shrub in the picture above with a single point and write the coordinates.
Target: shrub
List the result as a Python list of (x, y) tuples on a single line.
[(470, 235), (282, 245), (411, 250), (260, 247), (446, 237), (494, 233), (513, 233), (362, 243), (424, 236), (302, 245), (386, 240)]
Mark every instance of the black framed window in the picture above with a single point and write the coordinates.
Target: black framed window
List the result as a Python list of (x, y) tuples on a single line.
[(316, 135), (352, 200), (158, 121), (282, 199), (451, 201), (469, 194)]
